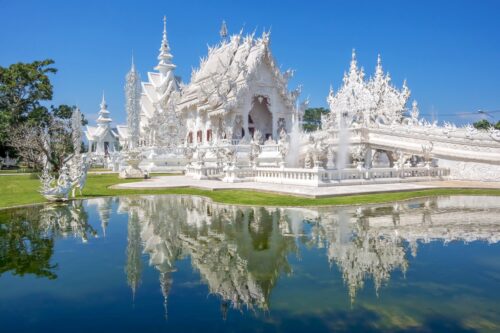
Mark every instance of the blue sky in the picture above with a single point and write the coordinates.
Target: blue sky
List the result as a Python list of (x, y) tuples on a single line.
[(449, 51)]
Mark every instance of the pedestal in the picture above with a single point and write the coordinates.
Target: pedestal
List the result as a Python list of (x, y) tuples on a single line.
[(231, 175), (199, 172), (132, 170)]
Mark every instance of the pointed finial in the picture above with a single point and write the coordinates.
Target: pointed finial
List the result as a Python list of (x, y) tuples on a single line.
[(378, 69), (223, 30), (354, 64), (103, 101), (165, 58), (164, 41)]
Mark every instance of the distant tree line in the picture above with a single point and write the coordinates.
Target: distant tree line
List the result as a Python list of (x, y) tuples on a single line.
[(485, 124), (30, 129)]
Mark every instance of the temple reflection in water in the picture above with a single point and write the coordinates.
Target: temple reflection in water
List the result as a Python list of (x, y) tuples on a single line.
[(240, 252)]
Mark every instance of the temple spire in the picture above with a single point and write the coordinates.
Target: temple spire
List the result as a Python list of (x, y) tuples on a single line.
[(379, 70), (103, 104), (132, 64), (223, 30), (354, 63), (165, 64)]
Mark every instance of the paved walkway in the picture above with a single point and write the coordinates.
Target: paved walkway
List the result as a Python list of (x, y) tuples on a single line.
[(463, 184), (306, 191)]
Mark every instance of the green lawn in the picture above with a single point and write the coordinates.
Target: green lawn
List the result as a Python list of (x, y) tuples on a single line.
[(14, 171), (23, 189)]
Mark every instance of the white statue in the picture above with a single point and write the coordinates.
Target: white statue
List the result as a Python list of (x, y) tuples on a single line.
[(283, 144), (73, 174)]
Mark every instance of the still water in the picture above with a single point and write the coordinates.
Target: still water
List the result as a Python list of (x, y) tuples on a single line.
[(184, 264)]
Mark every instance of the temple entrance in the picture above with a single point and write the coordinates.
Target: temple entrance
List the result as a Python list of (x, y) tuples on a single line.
[(261, 116), (381, 159)]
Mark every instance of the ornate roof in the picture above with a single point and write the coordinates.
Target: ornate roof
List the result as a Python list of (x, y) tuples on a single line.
[(95, 133), (226, 70), (103, 119), (364, 102), (162, 85)]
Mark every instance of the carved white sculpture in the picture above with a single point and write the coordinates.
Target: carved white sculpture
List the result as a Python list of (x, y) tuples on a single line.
[(7, 161), (73, 174), (133, 106), (365, 103), (133, 155), (283, 145)]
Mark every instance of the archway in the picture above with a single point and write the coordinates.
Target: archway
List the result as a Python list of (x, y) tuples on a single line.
[(261, 116)]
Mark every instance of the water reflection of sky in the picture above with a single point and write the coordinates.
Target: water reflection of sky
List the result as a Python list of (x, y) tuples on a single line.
[(160, 262)]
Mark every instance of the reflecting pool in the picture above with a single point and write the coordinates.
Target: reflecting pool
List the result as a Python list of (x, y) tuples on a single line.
[(185, 264)]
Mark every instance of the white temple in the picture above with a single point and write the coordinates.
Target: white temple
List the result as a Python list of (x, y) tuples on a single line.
[(236, 120), (102, 139)]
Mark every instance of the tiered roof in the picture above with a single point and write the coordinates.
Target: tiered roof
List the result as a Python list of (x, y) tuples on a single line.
[(103, 120), (94, 133), (161, 85)]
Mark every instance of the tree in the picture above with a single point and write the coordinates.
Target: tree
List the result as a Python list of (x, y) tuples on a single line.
[(312, 118), (485, 125), (23, 86), (48, 140), (27, 128)]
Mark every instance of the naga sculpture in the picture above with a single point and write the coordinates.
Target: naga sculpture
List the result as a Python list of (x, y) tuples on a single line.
[(73, 174)]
